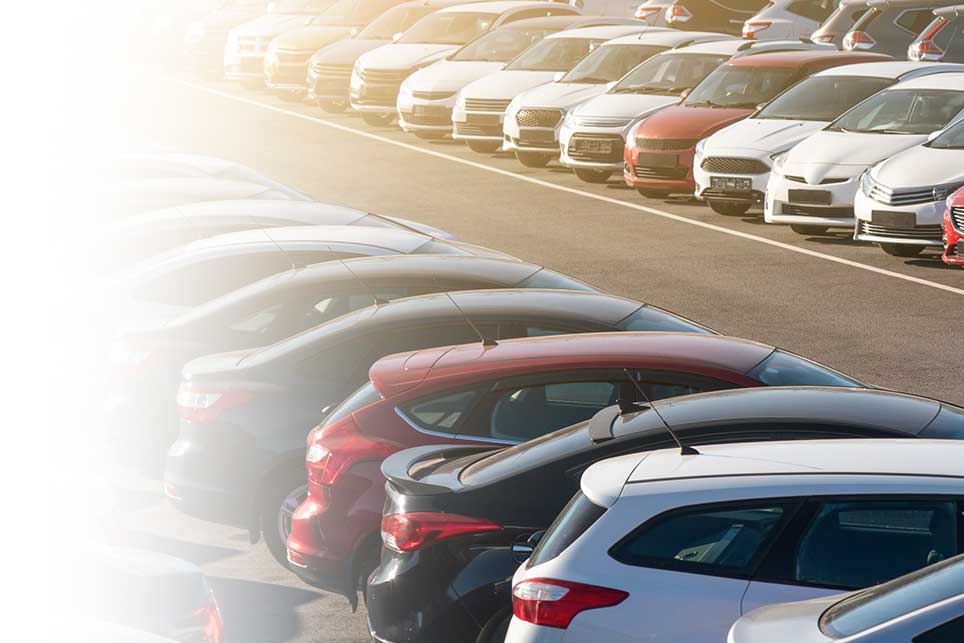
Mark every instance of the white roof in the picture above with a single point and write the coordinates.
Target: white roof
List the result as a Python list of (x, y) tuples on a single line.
[(490, 7), (726, 47), (605, 31), (890, 69), (953, 81), (668, 38)]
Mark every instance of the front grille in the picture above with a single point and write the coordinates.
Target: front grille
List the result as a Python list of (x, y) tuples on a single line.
[(486, 104), (795, 179), (602, 121), (957, 218), (538, 117), (431, 95), (719, 195), (286, 57), (438, 115), (900, 196), (922, 232), (384, 76), (661, 173), (826, 181), (331, 78), (586, 147), (252, 45), (536, 138), (839, 212), (727, 165), (468, 129), (666, 144)]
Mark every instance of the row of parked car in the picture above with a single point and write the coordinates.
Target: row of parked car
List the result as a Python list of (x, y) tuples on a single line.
[(490, 450)]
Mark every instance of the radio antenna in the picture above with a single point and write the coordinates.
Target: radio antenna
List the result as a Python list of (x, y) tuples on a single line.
[(371, 293), (283, 252), (683, 449), (486, 341)]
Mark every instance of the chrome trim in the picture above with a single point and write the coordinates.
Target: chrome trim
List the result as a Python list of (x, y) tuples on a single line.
[(450, 436)]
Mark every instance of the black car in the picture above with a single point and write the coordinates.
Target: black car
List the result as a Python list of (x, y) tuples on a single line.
[(245, 415), (142, 420), (480, 512)]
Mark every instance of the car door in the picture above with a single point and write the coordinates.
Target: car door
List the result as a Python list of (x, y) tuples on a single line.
[(840, 544)]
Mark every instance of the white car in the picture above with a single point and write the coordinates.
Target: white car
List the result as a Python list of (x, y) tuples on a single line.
[(533, 118), (653, 12), (378, 74), (926, 605), (901, 202), (480, 106), (788, 19), (732, 166), (813, 186), (671, 548)]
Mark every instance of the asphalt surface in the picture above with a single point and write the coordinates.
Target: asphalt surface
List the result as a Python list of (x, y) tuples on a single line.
[(891, 322)]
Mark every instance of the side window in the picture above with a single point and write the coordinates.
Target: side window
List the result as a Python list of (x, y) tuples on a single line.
[(442, 413), (856, 544), (914, 21), (522, 414), (718, 540), (950, 632)]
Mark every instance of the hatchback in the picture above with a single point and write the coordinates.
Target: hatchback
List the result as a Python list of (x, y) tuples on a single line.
[(788, 19), (727, 16), (890, 26), (943, 39)]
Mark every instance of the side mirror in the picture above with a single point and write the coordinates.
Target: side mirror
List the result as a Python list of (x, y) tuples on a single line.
[(933, 135), (686, 92), (556, 77), (396, 37), (760, 106), (522, 550)]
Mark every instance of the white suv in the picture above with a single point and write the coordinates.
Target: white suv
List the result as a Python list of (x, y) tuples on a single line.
[(788, 19), (671, 548)]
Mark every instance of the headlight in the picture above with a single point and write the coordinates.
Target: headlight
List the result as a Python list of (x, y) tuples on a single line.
[(779, 160), (356, 81), (405, 90), (570, 119), (866, 183), (699, 147)]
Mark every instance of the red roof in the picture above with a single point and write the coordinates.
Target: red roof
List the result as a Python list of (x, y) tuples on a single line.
[(452, 366), (808, 58)]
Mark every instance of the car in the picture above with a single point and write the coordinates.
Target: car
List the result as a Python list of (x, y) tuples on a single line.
[(204, 38), (146, 363), (378, 74), (247, 44), (482, 510), (901, 201), (245, 415), (286, 59), (141, 236), (733, 528), (660, 149), (533, 118), (653, 12), (711, 15), (329, 68), (788, 19), (509, 393), (833, 30), (813, 186), (954, 230), (613, 8), (480, 106), (925, 605), (731, 168), (890, 26), (426, 98), (943, 39), (593, 134)]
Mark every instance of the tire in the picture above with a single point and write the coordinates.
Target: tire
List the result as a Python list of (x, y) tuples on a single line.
[(496, 629), (729, 209), (533, 159), (901, 249), (483, 147), (593, 176), (809, 230), (282, 496), (377, 120), (652, 194), (330, 106)]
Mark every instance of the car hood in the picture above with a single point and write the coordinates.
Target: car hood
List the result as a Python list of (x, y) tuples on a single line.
[(346, 52), (451, 75), (311, 38), (403, 56), (762, 135), (825, 148), (506, 84), (272, 24), (920, 166), (564, 95), (689, 122), (624, 105)]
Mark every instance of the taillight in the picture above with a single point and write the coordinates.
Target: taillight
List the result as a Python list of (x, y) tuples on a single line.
[(678, 14), (751, 29), (410, 531), (209, 618), (645, 13), (858, 40), (554, 603), (925, 48), (203, 405), (336, 447)]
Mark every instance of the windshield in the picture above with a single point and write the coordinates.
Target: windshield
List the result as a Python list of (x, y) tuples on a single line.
[(822, 98), (451, 28), (872, 607), (350, 12), (787, 369), (952, 139), (501, 45), (554, 54), (668, 74), (740, 86), (607, 64), (393, 21), (902, 111)]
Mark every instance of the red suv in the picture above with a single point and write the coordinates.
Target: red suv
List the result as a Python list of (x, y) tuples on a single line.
[(659, 152), (954, 230), (492, 396)]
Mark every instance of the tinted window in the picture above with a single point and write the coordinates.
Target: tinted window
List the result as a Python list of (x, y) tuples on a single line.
[(787, 369), (366, 395), (949, 632), (500, 45), (952, 139), (740, 86), (954, 50), (554, 54), (442, 413), (668, 74), (448, 28), (822, 98), (393, 21), (653, 319), (714, 540), (902, 111), (607, 64), (554, 281), (852, 545), (577, 516), (522, 414), (948, 425), (915, 21)]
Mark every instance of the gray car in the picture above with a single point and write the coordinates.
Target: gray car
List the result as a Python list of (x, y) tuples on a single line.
[(926, 606), (842, 20), (890, 26), (943, 39)]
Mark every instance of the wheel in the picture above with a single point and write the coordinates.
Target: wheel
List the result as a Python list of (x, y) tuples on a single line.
[(533, 159), (652, 194), (729, 208), (282, 497), (901, 249), (496, 629), (430, 136), (593, 176), (377, 120), (332, 106), (809, 230), (483, 147)]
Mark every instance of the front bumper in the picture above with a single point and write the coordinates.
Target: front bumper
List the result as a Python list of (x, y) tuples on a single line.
[(778, 207), (376, 90), (953, 240), (918, 225), (592, 148), (286, 71), (541, 138), (669, 171), (477, 125), (423, 115), (247, 68), (328, 82), (739, 178)]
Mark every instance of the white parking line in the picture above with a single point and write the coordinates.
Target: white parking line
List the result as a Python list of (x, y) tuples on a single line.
[(588, 195)]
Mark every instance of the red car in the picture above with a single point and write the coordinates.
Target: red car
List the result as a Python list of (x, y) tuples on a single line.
[(659, 152), (954, 230), (493, 396)]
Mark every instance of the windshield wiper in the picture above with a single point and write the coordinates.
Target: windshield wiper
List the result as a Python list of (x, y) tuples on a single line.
[(705, 103), (589, 80)]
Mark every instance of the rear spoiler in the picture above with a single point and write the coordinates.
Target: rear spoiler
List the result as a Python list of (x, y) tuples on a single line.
[(601, 424), (411, 470)]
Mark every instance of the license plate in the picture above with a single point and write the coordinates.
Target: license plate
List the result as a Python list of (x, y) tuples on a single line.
[(428, 110), (484, 119), (537, 136), (596, 147), (887, 219), (378, 92), (657, 160), (817, 197), (730, 184)]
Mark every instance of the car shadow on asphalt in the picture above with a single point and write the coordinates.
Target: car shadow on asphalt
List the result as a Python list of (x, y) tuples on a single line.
[(197, 553), (256, 612), (933, 262), (843, 238)]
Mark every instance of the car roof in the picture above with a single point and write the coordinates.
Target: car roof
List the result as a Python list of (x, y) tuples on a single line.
[(803, 58), (729, 46), (668, 38), (549, 22), (604, 31), (496, 7), (393, 239), (903, 4), (950, 81), (675, 351), (887, 69)]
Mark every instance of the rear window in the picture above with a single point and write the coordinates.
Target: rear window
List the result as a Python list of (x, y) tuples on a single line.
[(361, 398), (948, 425), (915, 20), (578, 516), (787, 369), (554, 281), (653, 319)]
